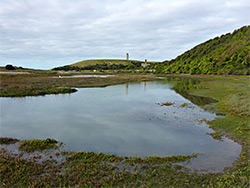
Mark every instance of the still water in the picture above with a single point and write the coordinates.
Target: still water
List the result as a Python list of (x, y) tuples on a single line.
[(123, 120), (85, 75)]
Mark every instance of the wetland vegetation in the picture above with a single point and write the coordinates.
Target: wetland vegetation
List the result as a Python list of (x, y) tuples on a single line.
[(89, 169), (35, 84)]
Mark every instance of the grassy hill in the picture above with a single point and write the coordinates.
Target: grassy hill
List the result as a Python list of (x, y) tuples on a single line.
[(103, 61), (227, 54), (103, 64)]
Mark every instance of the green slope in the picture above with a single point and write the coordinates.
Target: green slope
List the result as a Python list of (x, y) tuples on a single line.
[(103, 64), (103, 61), (228, 54)]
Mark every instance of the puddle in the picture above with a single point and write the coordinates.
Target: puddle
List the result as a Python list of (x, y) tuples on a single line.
[(37, 156), (215, 160)]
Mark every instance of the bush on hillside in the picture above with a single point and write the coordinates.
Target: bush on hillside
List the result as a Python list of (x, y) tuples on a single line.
[(9, 67)]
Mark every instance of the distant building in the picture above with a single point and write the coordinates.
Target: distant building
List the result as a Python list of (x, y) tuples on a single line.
[(145, 64), (127, 56)]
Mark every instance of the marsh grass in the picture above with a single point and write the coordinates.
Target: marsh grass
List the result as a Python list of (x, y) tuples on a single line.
[(44, 83), (238, 104), (6, 140), (215, 135), (186, 105), (39, 145), (89, 169), (166, 104)]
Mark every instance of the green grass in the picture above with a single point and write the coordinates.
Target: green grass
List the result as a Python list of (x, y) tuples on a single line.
[(39, 145), (233, 94), (101, 61)]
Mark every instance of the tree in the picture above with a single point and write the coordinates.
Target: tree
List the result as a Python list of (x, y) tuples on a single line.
[(9, 67)]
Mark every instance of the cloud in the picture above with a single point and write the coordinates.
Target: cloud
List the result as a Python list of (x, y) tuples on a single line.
[(44, 34)]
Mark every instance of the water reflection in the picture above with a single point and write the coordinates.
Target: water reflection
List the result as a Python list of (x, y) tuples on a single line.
[(182, 86), (127, 85)]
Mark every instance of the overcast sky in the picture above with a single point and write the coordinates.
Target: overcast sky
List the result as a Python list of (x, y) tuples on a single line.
[(49, 33)]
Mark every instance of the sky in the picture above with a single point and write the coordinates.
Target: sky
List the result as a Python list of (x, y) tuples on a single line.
[(45, 34)]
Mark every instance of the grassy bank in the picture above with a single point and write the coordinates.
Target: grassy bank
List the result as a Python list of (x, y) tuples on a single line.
[(233, 94), (35, 84)]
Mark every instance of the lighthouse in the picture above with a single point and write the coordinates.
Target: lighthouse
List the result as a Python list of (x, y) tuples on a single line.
[(127, 56)]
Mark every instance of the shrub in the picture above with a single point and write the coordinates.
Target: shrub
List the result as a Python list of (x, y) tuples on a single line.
[(9, 67)]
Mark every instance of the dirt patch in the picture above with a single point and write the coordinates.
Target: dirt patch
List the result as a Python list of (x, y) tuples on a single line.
[(14, 73)]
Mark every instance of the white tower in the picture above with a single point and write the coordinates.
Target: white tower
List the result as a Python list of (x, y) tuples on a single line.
[(127, 56)]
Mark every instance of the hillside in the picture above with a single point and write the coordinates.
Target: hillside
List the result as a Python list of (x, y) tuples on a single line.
[(227, 54), (103, 64), (102, 61)]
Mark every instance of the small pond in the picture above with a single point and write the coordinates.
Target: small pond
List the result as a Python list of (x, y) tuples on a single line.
[(125, 119)]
